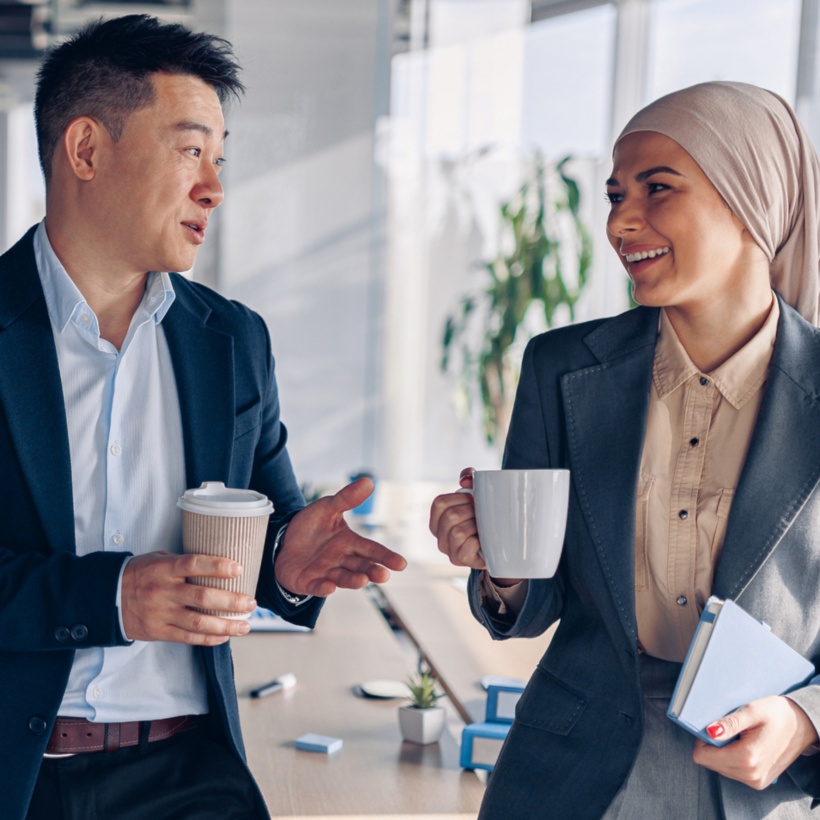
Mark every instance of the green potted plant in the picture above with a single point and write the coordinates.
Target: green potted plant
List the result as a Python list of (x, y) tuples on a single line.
[(542, 265), (422, 721)]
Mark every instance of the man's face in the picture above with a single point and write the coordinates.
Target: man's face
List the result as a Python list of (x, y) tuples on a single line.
[(157, 186)]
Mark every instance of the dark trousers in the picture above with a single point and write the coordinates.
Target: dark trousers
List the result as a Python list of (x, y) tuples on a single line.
[(190, 776)]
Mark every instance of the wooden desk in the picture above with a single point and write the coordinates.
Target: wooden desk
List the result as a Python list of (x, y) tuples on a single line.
[(436, 615), (375, 775)]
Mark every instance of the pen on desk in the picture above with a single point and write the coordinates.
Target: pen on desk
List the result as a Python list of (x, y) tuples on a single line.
[(287, 681)]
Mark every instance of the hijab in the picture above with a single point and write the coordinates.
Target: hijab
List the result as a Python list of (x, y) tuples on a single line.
[(757, 154)]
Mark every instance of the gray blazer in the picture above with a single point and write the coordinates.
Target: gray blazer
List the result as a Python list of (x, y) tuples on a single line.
[(582, 404)]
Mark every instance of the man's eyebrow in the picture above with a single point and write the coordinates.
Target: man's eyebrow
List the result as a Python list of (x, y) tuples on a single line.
[(644, 175), (189, 125)]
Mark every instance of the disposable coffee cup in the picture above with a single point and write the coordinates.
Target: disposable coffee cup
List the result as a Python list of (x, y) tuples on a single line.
[(229, 523), (521, 517)]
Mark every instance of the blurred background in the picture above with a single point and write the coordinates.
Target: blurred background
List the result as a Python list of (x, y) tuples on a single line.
[(397, 208)]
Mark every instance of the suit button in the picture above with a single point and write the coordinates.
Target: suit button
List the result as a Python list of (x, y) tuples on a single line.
[(79, 632), (37, 725), (62, 634)]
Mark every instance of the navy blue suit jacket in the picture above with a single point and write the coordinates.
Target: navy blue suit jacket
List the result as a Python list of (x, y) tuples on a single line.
[(232, 433), (582, 404)]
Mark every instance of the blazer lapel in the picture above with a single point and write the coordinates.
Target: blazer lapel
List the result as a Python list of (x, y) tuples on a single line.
[(606, 408), (782, 467), (31, 393), (204, 370)]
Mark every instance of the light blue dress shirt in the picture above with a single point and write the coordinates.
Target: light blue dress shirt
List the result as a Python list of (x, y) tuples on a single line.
[(127, 472)]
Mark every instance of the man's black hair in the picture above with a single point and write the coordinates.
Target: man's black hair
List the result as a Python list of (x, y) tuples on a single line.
[(104, 71)]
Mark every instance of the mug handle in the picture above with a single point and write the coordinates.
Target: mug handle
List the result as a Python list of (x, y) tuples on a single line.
[(471, 492)]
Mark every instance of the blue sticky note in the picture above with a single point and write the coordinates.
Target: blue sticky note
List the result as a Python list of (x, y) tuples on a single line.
[(319, 743)]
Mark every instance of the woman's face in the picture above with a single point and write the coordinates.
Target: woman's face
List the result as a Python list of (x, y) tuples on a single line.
[(679, 242)]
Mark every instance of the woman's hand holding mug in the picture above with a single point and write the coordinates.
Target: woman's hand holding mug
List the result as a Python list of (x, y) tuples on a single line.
[(513, 525), (453, 522)]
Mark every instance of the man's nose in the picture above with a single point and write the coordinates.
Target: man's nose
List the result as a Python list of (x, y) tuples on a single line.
[(209, 192)]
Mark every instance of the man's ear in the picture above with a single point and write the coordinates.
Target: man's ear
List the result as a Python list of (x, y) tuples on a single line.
[(80, 145)]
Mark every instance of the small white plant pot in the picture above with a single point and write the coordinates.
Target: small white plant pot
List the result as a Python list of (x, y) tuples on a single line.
[(421, 726)]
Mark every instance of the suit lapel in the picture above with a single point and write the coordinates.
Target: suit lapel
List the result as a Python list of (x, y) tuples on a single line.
[(204, 370), (783, 463), (606, 408), (31, 393)]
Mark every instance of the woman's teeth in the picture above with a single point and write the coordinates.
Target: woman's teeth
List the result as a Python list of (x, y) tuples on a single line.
[(637, 257)]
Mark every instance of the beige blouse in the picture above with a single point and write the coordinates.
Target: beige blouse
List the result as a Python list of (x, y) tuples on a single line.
[(697, 435)]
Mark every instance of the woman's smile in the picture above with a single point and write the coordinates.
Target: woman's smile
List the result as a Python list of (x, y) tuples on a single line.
[(640, 255)]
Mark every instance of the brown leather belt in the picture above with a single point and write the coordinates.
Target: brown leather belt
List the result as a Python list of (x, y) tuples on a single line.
[(74, 735)]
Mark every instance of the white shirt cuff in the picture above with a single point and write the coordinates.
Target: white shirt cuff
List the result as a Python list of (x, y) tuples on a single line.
[(290, 597), (118, 600)]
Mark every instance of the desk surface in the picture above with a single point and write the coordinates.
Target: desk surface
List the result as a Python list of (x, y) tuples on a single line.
[(433, 609), (375, 775)]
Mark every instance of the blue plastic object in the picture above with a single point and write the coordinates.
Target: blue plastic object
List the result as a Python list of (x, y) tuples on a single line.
[(481, 743)]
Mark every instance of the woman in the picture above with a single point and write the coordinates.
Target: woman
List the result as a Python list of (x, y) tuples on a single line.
[(691, 427)]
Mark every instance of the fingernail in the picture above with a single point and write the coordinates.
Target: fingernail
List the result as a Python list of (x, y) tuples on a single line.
[(244, 628), (236, 569), (715, 731), (250, 604)]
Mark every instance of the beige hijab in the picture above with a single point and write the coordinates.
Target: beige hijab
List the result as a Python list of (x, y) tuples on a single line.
[(754, 150)]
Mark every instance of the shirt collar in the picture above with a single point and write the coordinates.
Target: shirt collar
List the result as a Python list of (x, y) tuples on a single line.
[(737, 379), (64, 300)]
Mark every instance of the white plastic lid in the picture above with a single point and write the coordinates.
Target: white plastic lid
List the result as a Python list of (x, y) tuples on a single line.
[(214, 498)]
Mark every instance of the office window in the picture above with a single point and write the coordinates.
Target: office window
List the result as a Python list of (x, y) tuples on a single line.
[(753, 41), (567, 84)]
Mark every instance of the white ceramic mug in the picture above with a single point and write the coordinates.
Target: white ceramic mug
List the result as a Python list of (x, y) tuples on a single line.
[(522, 517)]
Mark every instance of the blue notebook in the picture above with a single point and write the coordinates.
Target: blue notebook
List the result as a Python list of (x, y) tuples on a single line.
[(733, 659)]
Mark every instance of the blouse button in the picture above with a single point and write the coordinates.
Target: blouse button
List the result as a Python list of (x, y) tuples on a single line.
[(704, 381), (693, 442), (683, 515), (681, 600)]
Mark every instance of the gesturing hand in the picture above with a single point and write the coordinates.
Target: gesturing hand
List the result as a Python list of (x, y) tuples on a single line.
[(319, 552), (771, 733), (156, 599)]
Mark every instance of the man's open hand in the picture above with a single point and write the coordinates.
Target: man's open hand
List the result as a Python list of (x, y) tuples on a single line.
[(320, 553), (156, 599)]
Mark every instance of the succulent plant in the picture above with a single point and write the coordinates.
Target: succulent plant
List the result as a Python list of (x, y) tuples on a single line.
[(422, 687)]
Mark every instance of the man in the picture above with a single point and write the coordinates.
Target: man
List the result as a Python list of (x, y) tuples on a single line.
[(121, 386)]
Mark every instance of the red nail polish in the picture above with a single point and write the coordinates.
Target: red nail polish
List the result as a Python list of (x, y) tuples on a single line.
[(715, 731)]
